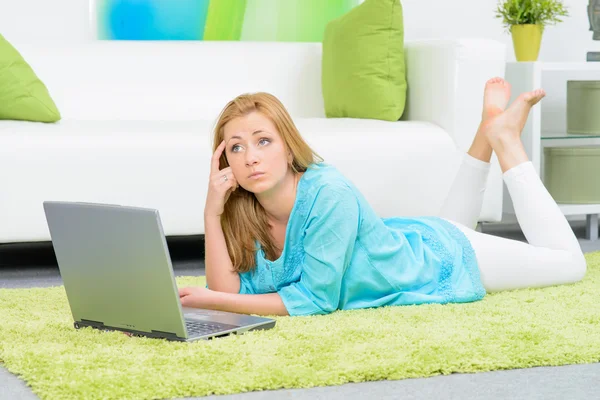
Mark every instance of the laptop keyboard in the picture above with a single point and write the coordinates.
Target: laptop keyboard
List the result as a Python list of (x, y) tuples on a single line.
[(197, 328)]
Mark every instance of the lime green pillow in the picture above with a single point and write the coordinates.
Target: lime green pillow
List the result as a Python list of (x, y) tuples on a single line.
[(22, 95), (363, 71)]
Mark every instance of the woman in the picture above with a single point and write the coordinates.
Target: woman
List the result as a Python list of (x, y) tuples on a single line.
[(287, 234)]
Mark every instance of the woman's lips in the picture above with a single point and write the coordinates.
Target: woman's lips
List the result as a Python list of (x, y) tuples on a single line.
[(257, 175)]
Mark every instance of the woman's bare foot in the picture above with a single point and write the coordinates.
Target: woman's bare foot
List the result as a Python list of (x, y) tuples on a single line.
[(503, 131), (495, 97), (509, 124)]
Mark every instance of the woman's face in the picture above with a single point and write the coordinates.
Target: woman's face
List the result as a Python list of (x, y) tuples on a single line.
[(256, 152)]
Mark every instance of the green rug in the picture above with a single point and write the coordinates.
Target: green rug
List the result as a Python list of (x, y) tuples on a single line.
[(518, 329)]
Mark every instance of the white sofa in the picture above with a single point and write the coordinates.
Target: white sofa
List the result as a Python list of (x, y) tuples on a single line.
[(138, 117)]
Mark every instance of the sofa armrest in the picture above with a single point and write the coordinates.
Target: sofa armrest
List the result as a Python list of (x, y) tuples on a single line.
[(445, 83), (445, 87)]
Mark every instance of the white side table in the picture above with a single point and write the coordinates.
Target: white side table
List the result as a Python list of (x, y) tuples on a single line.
[(546, 125)]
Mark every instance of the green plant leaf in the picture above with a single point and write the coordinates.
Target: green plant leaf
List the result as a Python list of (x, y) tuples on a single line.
[(540, 12)]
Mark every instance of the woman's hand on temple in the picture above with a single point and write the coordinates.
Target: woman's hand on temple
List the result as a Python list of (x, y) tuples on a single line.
[(220, 186)]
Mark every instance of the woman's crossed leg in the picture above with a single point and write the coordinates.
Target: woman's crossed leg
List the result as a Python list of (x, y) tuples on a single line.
[(552, 255)]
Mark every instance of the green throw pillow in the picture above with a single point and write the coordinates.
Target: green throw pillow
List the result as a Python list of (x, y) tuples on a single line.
[(364, 73), (22, 95)]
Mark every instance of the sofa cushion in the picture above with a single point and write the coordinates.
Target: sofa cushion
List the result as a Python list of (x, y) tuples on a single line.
[(313, 130), (363, 62), (23, 96), (172, 80)]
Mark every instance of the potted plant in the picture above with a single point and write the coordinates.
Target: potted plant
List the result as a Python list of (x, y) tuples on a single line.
[(526, 19)]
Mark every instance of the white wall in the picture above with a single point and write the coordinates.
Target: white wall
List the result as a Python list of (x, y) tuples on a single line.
[(42, 21), (67, 21)]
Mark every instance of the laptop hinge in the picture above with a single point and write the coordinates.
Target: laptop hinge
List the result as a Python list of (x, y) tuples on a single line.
[(100, 325), (87, 322), (166, 335)]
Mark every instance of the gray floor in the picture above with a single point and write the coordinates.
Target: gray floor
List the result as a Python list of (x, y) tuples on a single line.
[(34, 265)]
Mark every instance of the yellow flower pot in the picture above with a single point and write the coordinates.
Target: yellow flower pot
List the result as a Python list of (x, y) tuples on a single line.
[(526, 41)]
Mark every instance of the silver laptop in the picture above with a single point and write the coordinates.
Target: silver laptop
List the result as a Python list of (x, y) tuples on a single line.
[(117, 273)]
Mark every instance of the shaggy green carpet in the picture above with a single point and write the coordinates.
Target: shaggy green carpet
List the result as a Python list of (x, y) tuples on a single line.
[(518, 329)]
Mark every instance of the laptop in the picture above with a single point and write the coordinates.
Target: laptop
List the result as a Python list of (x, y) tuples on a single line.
[(117, 273)]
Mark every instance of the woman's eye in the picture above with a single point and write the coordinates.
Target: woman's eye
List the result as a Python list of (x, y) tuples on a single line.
[(262, 142)]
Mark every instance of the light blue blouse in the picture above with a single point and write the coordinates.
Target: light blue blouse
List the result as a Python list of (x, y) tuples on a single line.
[(338, 254)]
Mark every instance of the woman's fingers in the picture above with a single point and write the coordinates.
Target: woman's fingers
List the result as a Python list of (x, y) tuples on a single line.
[(218, 179), (219, 189), (214, 168), (185, 301), (230, 182)]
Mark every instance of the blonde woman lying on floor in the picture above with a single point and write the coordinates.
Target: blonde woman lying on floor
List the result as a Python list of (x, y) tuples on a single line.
[(287, 234)]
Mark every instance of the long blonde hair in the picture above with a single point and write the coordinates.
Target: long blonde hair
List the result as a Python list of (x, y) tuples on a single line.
[(244, 220)]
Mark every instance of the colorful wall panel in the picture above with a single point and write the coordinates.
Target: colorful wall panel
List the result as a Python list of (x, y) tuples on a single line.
[(239, 20)]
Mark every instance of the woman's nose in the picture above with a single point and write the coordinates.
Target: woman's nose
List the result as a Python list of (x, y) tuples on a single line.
[(251, 157)]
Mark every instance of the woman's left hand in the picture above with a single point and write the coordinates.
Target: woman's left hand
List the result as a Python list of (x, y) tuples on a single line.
[(197, 297)]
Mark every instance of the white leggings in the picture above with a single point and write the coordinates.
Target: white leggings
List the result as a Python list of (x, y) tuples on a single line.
[(552, 256)]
